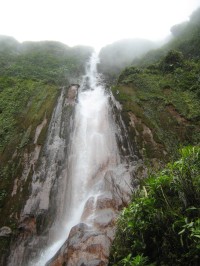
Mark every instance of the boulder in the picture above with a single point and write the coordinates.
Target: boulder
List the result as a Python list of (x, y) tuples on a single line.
[(83, 247), (5, 231)]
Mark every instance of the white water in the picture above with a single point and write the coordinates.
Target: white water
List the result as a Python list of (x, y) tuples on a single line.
[(93, 152)]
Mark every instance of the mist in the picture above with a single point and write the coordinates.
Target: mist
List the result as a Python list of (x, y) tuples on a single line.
[(118, 55), (93, 23)]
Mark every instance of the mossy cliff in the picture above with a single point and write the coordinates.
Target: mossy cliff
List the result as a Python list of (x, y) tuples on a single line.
[(160, 95), (161, 115), (160, 99), (31, 77)]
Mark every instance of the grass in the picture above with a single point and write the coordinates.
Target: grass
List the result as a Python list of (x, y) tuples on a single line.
[(23, 104)]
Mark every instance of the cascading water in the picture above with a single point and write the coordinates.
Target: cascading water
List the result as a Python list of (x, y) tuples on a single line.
[(93, 151), (92, 184)]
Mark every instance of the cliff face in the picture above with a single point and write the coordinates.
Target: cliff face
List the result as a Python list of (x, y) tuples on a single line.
[(44, 203), (80, 183), (160, 117), (32, 77)]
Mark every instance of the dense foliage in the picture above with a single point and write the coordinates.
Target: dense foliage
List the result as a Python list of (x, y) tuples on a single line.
[(161, 226), (29, 73), (52, 62)]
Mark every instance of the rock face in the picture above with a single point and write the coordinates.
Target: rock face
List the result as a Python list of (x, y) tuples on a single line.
[(82, 182), (84, 247), (28, 225), (37, 215), (89, 241), (107, 180)]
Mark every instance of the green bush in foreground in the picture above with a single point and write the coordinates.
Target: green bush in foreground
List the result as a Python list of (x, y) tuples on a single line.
[(161, 226)]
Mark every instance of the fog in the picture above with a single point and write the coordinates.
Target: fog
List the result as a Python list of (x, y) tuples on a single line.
[(118, 55), (92, 22)]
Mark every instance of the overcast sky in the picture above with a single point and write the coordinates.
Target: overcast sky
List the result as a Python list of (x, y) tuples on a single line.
[(92, 22)]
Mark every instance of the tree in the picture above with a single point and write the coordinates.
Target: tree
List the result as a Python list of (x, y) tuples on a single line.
[(171, 61)]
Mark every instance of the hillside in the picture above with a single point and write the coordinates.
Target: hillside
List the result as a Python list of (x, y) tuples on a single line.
[(50, 61), (185, 38), (160, 99), (31, 77)]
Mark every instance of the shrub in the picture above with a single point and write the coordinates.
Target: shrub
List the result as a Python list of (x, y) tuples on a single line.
[(171, 61), (162, 223)]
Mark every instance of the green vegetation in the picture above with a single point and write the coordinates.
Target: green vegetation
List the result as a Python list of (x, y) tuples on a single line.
[(169, 81), (167, 102), (52, 62), (160, 98), (31, 76), (162, 90), (23, 104), (161, 225)]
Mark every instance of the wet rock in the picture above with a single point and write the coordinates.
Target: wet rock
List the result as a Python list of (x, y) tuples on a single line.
[(104, 202), (5, 231), (104, 218), (89, 206), (83, 247), (119, 188), (28, 224), (104, 211), (72, 94), (89, 245), (39, 129)]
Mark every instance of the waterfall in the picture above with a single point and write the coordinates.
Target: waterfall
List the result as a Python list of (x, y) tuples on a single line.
[(85, 180)]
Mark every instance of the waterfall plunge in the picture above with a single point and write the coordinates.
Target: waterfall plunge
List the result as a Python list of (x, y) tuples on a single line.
[(93, 155)]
